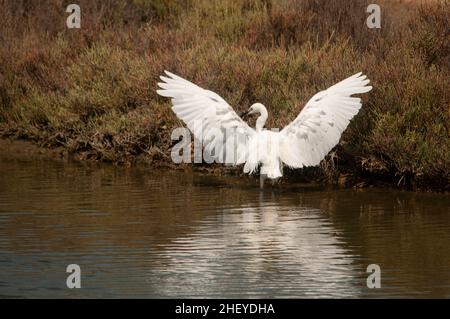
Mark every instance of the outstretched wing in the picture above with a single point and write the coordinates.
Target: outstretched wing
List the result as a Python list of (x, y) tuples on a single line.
[(319, 126), (209, 117)]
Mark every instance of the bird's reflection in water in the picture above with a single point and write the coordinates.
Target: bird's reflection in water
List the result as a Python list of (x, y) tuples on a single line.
[(140, 234), (263, 250)]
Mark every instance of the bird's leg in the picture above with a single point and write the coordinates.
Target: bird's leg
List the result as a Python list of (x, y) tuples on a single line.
[(262, 177)]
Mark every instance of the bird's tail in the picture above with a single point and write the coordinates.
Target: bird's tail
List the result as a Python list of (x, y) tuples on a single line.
[(272, 170)]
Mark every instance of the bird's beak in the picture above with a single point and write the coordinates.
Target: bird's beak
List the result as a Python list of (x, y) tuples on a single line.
[(244, 114)]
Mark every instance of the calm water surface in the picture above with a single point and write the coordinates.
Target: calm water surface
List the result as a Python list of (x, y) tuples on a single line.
[(145, 233)]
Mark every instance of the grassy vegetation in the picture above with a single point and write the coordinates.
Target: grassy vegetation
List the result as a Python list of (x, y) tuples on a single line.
[(91, 91)]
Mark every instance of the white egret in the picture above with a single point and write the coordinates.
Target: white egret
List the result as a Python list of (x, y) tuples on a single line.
[(304, 142)]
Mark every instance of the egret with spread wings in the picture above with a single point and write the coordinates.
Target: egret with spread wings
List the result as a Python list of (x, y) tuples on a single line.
[(304, 142)]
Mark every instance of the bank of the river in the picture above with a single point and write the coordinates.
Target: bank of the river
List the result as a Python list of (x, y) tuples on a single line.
[(90, 92), (18, 149), (148, 233)]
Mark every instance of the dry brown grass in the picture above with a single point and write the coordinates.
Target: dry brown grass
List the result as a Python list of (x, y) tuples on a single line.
[(92, 91)]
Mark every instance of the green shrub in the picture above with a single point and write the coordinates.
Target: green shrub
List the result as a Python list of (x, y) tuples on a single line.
[(92, 90)]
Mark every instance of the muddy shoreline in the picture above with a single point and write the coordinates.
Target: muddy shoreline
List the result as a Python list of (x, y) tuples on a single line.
[(89, 94), (20, 149)]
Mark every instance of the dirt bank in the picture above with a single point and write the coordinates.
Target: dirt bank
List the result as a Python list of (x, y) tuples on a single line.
[(90, 92)]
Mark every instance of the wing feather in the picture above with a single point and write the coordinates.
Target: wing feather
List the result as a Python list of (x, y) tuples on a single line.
[(319, 126), (205, 112)]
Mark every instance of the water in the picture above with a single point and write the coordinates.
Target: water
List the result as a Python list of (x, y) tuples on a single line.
[(145, 233)]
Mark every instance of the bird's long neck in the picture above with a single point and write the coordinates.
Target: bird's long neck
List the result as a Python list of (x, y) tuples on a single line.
[(261, 121)]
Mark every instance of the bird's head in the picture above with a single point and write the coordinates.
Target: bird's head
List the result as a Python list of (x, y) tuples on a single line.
[(255, 108)]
